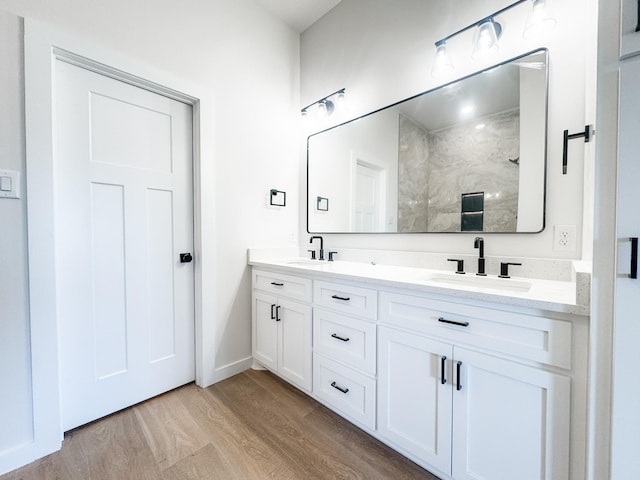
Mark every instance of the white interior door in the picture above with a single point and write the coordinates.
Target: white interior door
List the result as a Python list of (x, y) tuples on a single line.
[(123, 214), (368, 197)]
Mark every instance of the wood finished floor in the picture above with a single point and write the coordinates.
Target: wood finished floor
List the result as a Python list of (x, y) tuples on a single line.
[(251, 426)]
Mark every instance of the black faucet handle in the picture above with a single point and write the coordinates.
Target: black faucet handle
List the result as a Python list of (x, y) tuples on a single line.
[(331, 254), (504, 269), (313, 254), (460, 265)]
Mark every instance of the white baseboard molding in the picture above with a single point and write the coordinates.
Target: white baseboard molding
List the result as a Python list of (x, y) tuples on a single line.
[(23, 454), (232, 369)]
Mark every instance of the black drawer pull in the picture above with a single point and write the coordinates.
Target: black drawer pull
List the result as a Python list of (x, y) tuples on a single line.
[(344, 299), (343, 390), (458, 382), (277, 284), (333, 335), (443, 369), (453, 322)]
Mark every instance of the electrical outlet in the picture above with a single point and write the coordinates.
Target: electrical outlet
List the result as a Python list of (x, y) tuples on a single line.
[(564, 238)]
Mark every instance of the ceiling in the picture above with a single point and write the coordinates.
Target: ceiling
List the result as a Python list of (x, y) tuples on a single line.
[(298, 14)]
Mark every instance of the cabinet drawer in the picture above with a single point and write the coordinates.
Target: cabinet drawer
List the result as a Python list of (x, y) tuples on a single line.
[(282, 285), (350, 393), (345, 339), (527, 336), (346, 299)]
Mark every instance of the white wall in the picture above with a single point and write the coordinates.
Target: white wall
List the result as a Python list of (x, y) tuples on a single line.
[(15, 367), (383, 52), (248, 61)]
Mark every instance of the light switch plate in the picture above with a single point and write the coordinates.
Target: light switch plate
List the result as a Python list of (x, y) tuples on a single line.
[(9, 184)]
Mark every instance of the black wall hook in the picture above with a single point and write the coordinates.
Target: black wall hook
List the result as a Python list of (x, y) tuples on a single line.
[(587, 134)]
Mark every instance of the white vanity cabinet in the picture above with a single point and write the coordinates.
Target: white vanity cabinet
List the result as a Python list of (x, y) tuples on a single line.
[(466, 388), (470, 413), (281, 325)]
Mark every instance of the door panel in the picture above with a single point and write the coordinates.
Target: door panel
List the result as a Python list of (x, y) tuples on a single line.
[(124, 212), (510, 420), (265, 330), (294, 361), (414, 403), (108, 279)]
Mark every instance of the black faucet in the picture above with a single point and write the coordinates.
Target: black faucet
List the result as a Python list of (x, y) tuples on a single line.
[(479, 244), (321, 256)]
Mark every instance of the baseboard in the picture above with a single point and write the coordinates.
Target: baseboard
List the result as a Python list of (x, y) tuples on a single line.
[(26, 453), (232, 369)]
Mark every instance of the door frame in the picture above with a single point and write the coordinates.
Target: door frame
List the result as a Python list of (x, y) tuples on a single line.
[(44, 45)]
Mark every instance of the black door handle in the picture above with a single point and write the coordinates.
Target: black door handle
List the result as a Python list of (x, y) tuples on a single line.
[(443, 369), (458, 372), (634, 257), (185, 258)]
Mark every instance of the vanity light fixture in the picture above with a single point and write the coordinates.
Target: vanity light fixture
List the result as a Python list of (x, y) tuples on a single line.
[(326, 105), (488, 30)]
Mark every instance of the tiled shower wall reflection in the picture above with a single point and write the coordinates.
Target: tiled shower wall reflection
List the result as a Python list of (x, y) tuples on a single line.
[(436, 168)]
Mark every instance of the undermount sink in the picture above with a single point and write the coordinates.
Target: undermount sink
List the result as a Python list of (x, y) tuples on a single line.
[(494, 283)]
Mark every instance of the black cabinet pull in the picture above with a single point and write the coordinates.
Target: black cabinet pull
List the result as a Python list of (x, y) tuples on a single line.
[(273, 316), (634, 257), (277, 284), (458, 369), (278, 313), (343, 390), (453, 322), (443, 369), (186, 257), (344, 299), (333, 335)]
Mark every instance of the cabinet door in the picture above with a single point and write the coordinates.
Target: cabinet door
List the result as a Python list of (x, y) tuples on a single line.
[(414, 403), (509, 420), (625, 423), (294, 339), (264, 342)]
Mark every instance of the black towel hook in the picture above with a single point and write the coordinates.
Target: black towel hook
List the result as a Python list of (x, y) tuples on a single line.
[(588, 134)]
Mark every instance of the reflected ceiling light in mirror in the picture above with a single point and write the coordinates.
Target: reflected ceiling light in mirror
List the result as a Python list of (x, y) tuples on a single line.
[(540, 20), (487, 33)]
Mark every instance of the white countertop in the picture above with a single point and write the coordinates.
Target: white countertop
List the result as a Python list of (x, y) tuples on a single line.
[(543, 294)]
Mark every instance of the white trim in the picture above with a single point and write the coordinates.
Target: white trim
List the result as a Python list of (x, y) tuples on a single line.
[(43, 44), (234, 368)]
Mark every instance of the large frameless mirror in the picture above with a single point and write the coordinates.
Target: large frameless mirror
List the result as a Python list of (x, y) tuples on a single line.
[(466, 157)]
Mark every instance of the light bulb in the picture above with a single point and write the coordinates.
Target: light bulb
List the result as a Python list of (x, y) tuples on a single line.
[(341, 102), (442, 63), (322, 110), (485, 40), (540, 19)]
